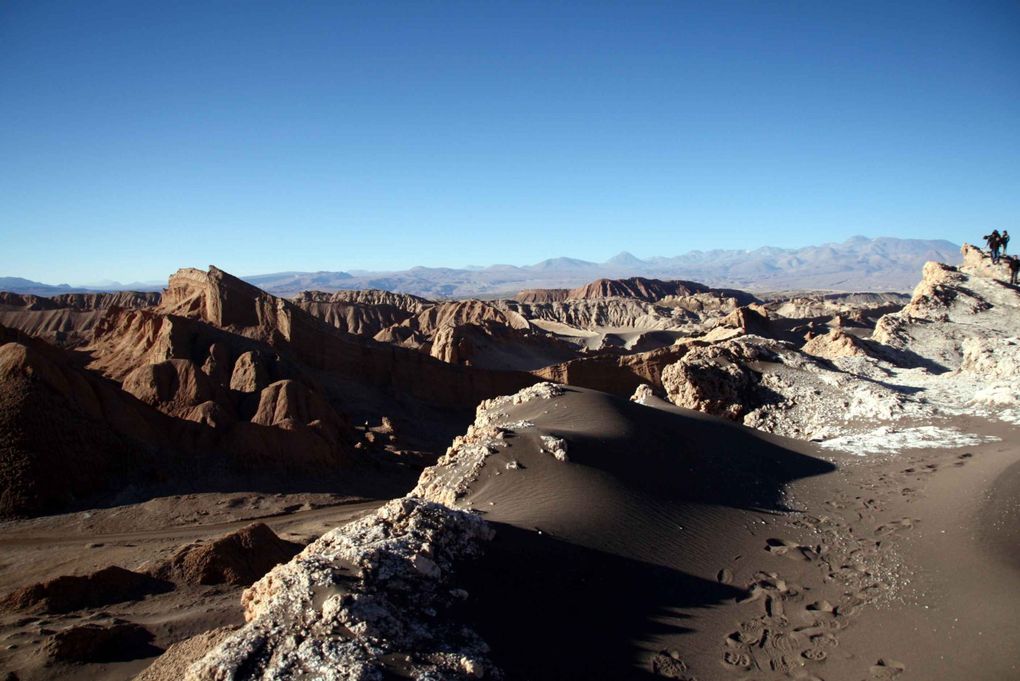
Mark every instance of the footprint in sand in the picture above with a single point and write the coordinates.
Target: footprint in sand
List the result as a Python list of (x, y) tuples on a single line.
[(895, 525), (790, 549), (724, 576), (806, 676), (735, 659), (669, 665), (887, 669), (821, 606), (962, 459)]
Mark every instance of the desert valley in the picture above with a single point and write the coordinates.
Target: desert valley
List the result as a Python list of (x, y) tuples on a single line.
[(632, 478)]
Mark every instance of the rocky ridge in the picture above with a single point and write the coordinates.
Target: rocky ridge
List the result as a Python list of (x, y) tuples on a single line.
[(950, 350), (377, 596)]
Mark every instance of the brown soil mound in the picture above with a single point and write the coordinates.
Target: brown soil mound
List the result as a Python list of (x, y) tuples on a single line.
[(100, 643), (239, 558), (73, 592)]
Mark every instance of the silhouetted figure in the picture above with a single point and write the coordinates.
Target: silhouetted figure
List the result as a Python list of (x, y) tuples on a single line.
[(994, 241), (1005, 240), (1014, 268)]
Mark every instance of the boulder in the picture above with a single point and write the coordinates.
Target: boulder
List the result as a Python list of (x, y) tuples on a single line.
[(714, 379)]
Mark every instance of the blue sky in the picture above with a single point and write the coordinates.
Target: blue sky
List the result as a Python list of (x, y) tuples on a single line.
[(139, 137)]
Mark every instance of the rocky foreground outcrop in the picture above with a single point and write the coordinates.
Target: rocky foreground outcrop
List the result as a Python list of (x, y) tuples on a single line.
[(366, 600), (772, 386), (376, 598)]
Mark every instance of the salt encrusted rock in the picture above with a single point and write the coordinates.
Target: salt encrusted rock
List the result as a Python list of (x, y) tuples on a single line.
[(453, 474), (992, 358), (949, 307), (836, 343), (771, 386), (555, 446), (716, 378), (362, 592), (642, 394), (489, 410)]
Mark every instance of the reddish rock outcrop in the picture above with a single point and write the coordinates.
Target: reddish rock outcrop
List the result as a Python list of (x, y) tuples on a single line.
[(249, 374), (175, 386), (362, 313), (649, 290), (66, 435), (68, 319), (465, 312), (542, 295), (616, 374)]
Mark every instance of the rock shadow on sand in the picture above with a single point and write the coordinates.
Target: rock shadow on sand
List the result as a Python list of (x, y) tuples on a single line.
[(551, 609)]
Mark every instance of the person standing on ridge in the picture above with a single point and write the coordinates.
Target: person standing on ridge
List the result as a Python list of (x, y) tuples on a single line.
[(994, 242), (1014, 268), (1004, 240)]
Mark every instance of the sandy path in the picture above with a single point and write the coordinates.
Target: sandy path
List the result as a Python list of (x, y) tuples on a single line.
[(283, 521), (894, 568)]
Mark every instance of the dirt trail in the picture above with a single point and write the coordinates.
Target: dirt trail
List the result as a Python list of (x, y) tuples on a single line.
[(280, 522), (886, 573)]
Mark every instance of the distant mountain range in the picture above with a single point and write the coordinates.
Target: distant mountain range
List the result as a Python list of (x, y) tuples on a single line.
[(858, 264)]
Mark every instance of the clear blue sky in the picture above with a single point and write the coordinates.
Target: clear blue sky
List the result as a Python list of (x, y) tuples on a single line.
[(137, 137)]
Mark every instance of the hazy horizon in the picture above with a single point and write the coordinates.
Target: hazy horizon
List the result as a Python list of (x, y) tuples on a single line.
[(99, 282)]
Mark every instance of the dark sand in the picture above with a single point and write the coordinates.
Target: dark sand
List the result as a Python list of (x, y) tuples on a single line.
[(667, 547)]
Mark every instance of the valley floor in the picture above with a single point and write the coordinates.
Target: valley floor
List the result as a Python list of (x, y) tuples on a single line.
[(136, 536)]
